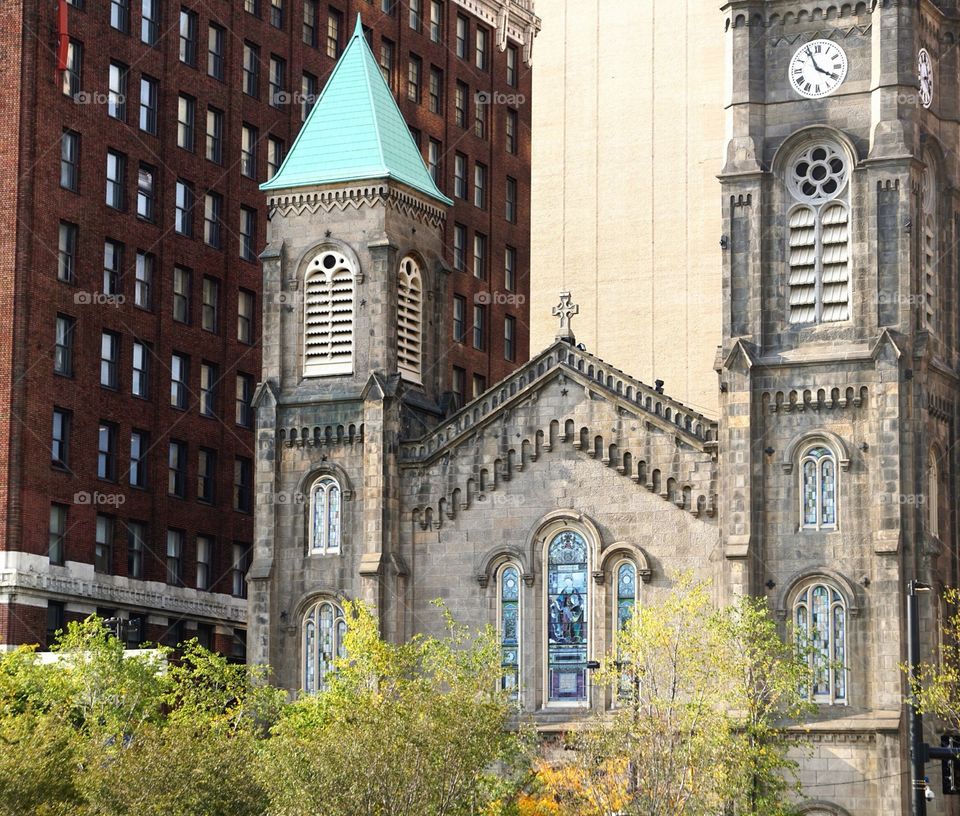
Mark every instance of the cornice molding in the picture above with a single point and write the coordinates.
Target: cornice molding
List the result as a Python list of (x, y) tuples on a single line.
[(328, 199)]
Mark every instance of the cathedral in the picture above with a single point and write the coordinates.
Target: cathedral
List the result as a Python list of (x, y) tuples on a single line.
[(570, 491)]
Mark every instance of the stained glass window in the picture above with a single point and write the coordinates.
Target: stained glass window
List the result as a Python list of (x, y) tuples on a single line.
[(325, 516), (818, 469), (821, 625), (510, 628), (323, 631), (567, 605), (626, 603)]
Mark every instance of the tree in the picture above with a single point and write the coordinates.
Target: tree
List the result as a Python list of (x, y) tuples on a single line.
[(702, 696), (419, 727), (936, 685)]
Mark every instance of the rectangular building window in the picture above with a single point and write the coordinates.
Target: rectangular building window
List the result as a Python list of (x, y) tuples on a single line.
[(463, 37), (480, 256), (107, 451), (276, 13), (251, 70), (248, 151), (63, 345), (511, 130), (479, 326), (73, 70), (244, 407), (252, 7), (386, 61), (139, 445), (459, 247), (308, 94), (436, 90), (150, 21), (67, 252), (136, 545), (415, 18), (179, 381), (210, 316), (209, 379), (479, 385), (509, 338), (181, 294), (480, 186), (186, 112), (434, 149), (188, 37), (215, 46), (215, 135), (274, 155), (242, 484), (414, 68), (103, 546), (140, 377), (309, 33), (112, 264), (146, 192), (460, 176), (480, 112), (238, 574), (510, 207), (436, 20), (143, 288), (212, 207), (459, 385), (512, 66), (510, 268), (183, 216), (206, 475), (204, 561), (245, 316), (109, 359), (174, 556), (117, 91), (176, 468), (248, 233), (334, 24), (459, 318), (460, 104), (70, 160), (116, 172), (56, 538), (60, 439), (482, 53), (278, 81), (149, 94)]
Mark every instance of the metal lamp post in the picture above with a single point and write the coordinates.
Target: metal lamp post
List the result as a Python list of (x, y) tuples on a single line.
[(918, 750)]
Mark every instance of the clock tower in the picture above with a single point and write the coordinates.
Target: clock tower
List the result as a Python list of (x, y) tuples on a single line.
[(838, 369)]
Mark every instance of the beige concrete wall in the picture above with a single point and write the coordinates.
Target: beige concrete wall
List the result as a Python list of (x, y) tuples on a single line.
[(628, 133)]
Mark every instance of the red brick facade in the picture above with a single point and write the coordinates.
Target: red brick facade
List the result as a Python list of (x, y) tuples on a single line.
[(35, 113)]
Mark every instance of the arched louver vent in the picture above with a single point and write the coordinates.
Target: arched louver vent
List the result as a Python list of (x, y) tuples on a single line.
[(410, 320), (328, 305), (836, 267), (929, 250), (803, 265)]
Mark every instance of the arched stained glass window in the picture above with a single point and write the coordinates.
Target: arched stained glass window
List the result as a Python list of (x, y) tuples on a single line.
[(567, 620), (323, 630), (510, 628), (933, 495), (626, 604), (325, 496), (819, 613), (818, 473)]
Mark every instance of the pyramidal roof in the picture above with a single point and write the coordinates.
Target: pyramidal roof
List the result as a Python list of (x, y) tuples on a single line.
[(354, 132)]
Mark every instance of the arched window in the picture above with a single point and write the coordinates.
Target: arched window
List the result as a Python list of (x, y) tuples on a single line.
[(567, 619), (820, 616), (929, 237), (933, 495), (328, 315), (410, 320), (325, 496), (509, 591), (626, 576), (819, 257), (323, 629), (818, 488)]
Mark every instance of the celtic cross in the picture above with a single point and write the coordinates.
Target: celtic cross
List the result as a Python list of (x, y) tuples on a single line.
[(565, 311)]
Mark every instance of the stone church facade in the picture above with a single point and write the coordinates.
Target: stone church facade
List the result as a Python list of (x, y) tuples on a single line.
[(567, 493)]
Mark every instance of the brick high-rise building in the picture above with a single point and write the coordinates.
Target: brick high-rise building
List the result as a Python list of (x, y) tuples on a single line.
[(133, 138)]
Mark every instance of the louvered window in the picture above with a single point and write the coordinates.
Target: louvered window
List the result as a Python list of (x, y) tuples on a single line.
[(409, 320), (928, 251), (328, 316), (819, 235)]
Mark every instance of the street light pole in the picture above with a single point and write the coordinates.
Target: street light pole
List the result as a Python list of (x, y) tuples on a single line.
[(918, 751)]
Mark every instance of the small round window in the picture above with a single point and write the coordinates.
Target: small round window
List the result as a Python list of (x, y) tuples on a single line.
[(818, 173)]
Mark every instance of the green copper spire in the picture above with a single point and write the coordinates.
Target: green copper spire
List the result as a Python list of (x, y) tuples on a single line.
[(355, 132)]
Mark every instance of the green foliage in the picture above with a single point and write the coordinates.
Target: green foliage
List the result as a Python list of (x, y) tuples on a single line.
[(936, 686)]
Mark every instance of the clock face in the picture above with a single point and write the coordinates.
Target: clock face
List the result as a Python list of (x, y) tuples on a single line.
[(925, 72), (817, 69)]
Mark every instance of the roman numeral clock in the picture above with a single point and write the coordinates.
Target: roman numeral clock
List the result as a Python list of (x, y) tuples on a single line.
[(818, 68)]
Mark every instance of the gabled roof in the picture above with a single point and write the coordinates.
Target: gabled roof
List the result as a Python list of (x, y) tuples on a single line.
[(355, 132)]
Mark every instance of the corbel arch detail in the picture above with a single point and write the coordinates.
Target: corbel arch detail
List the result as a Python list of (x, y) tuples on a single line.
[(829, 438), (852, 594), (624, 549)]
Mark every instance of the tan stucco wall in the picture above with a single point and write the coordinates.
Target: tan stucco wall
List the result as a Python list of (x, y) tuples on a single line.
[(628, 132)]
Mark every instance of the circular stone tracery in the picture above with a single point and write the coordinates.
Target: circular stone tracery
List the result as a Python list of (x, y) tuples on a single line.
[(818, 173)]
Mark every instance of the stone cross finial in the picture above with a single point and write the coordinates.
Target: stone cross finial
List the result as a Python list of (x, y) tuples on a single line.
[(565, 311)]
